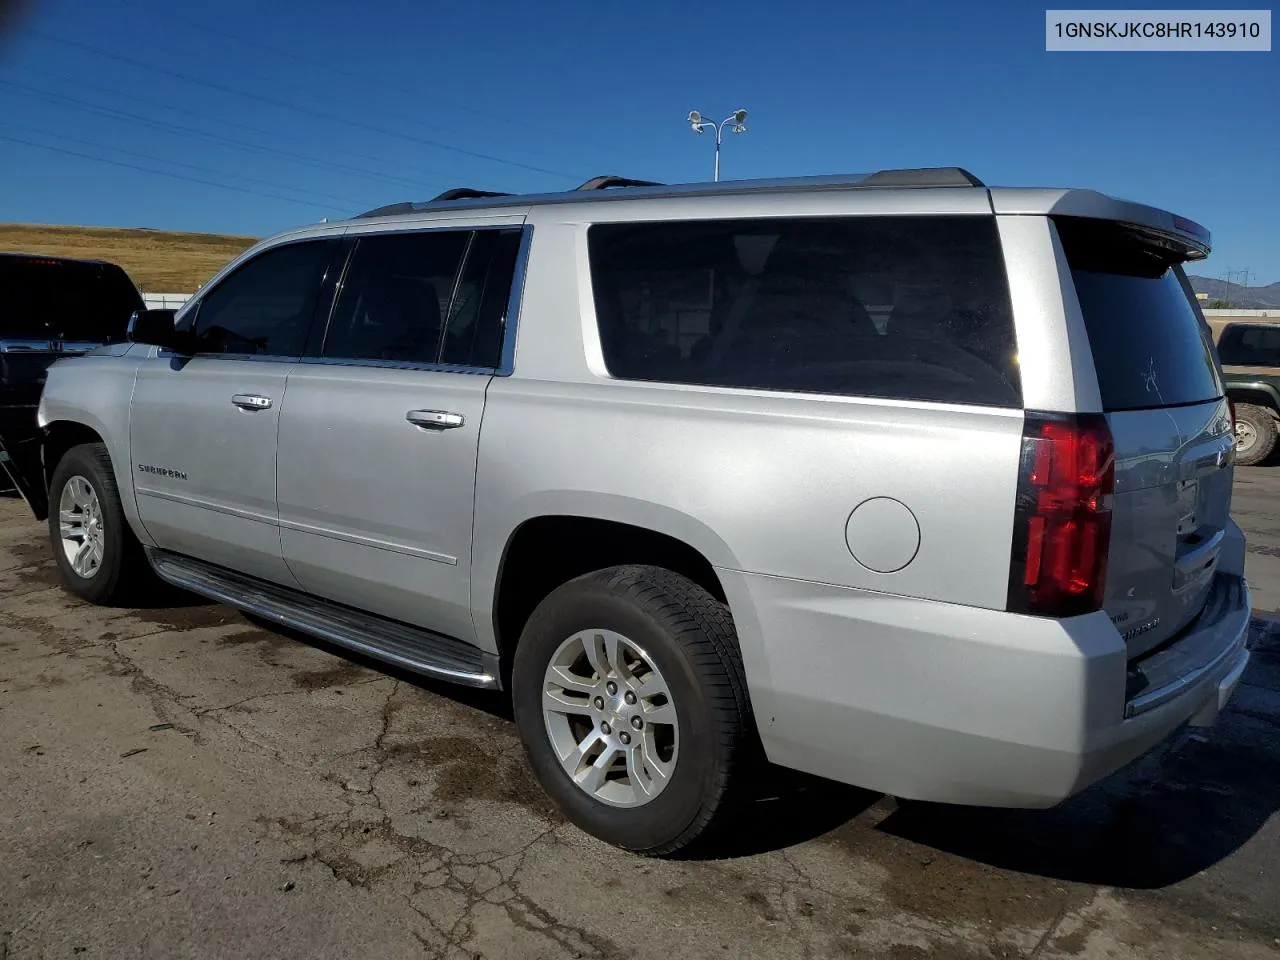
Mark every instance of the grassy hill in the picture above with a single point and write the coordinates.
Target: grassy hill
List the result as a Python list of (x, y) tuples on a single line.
[(157, 260)]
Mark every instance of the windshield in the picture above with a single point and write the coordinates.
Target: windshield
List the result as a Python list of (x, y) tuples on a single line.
[(49, 299)]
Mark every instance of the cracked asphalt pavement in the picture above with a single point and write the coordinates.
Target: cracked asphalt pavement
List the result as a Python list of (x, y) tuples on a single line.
[(180, 782)]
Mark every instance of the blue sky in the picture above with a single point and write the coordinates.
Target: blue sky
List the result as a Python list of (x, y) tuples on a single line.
[(315, 109)]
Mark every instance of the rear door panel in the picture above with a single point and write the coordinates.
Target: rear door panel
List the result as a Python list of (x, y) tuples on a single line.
[(376, 512)]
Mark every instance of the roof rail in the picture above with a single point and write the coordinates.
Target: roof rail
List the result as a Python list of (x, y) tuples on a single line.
[(409, 206), (923, 177), (404, 206), (604, 182), (467, 198), (466, 193)]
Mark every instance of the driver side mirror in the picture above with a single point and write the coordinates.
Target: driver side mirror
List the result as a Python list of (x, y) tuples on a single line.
[(155, 327)]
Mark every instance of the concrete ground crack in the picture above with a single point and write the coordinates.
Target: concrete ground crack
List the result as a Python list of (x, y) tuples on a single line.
[(1048, 934), (386, 715), (204, 711)]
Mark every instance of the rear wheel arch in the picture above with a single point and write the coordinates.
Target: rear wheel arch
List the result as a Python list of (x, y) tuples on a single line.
[(546, 551)]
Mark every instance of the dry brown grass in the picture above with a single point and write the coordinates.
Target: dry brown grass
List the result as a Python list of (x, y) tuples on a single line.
[(157, 260)]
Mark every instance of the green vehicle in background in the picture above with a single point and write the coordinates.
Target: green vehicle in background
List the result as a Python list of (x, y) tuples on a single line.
[(1249, 348)]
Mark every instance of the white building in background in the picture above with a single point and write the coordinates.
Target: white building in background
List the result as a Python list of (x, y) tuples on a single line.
[(165, 301)]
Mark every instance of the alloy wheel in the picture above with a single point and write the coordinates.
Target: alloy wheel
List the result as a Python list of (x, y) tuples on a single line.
[(610, 717)]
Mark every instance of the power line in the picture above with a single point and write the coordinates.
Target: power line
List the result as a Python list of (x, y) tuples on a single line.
[(328, 66), (308, 111), (167, 126), (178, 163), (162, 173), (328, 148)]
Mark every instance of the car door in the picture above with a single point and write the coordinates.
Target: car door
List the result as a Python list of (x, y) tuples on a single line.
[(203, 427), (380, 430)]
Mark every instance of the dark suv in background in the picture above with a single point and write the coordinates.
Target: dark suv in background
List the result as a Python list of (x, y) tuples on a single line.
[(1249, 349), (51, 307)]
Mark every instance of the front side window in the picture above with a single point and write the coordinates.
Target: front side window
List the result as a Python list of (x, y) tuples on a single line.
[(395, 297), (909, 307), (265, 306)]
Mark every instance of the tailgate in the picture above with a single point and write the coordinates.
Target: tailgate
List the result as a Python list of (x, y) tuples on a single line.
[(1162, 391), (1172, 503)]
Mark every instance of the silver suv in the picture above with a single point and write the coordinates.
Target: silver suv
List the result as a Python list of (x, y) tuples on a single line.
[(896, 479)]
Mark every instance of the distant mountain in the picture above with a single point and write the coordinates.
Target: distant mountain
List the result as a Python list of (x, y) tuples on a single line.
[(1246, 298)]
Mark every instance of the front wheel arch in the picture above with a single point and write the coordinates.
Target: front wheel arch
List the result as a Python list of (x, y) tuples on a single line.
[(124, 573), (60, 437)]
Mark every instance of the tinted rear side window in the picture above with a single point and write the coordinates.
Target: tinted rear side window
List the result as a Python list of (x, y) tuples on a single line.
[(473, 335), (913, 308), (47, 299), (1250, 345), (395, 297), (1150, 347)]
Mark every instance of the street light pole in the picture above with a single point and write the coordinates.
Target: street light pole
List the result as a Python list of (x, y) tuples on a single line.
[(738, 118)]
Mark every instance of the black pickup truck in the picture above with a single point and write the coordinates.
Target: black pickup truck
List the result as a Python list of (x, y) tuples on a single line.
[(51, 307)]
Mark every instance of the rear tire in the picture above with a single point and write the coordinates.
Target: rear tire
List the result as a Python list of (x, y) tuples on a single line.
[(664, 651), (1255, 434), (98, 557)]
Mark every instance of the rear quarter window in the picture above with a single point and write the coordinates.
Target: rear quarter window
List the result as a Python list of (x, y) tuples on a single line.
[(909, 308), (1150, 346)]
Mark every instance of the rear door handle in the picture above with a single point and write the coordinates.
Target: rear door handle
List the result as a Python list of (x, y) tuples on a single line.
[(435, 419), (251, 401)]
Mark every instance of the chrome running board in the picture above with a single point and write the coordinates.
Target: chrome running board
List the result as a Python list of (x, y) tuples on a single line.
[(410, 647)]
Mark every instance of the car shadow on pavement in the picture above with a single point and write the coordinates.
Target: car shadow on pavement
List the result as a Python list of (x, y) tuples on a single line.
[(1182, 808), (778, 809), (1171, 814)]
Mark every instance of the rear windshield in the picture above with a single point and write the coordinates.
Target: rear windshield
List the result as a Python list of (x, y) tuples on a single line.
[(1150, 346), (1250, 345), (48, 299), (911, 308)]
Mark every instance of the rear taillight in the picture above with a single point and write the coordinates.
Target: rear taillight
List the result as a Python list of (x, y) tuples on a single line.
[(1062, 525)]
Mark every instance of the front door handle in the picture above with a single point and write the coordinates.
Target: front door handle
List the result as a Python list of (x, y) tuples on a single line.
[(251, 401), (435, 419)]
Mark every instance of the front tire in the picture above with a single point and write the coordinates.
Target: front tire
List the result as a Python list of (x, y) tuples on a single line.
[(1255, 434), (631, 702), (98, 556)]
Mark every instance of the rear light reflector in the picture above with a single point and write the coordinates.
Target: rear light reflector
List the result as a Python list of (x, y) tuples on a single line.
[(1062, 521)]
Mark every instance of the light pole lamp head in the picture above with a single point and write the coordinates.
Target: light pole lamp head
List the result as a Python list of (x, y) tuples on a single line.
[(695, 121), (739, 121)]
